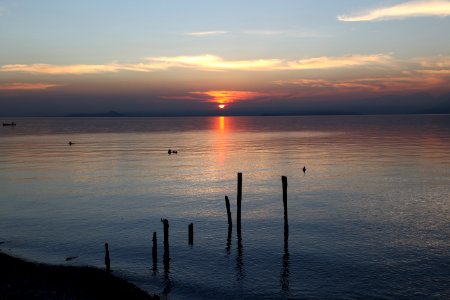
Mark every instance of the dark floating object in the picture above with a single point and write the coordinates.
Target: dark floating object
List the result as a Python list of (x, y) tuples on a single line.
[(9, 124), (170, 151), (304, 169), (69, 258), (70, 143)]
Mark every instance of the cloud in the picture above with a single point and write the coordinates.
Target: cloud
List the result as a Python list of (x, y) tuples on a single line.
[(225, 97), (20, 86), (205, 63), (422, 8), (380, 85), (206, 33), (440, 62), (326, 62), (60, 69), (215, 63)]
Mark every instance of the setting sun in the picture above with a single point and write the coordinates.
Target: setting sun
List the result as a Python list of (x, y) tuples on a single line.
[(221, 106)]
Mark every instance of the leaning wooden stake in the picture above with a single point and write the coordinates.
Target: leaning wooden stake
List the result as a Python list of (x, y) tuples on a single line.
[(239, 199), (286, 225), (107, 260), (155, 249), (191, 234), (227, 204)]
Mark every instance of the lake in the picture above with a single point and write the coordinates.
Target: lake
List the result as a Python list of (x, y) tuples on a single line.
[(368, 219)]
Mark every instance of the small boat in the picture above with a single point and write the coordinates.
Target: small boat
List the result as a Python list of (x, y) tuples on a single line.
[(9, 124)]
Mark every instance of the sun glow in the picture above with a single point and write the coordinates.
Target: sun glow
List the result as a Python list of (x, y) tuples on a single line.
[(221, 106)]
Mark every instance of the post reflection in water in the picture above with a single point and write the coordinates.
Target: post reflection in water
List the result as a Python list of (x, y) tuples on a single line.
[(240, 272), (230, 230), (284, 274)]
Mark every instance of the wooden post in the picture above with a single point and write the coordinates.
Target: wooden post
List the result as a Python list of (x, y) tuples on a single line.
[(191, 234), (227, 204), (239, 199), (107, 260), (155, 249), (166, 234), (286, 225), (166, 244)]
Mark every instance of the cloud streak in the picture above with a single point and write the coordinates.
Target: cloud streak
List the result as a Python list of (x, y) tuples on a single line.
[(422, 8), (226, 97), (207, 33), (204, 63), (375, 85), (20, 86)]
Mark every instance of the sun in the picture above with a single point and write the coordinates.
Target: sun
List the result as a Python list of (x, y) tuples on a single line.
[(221, 106)]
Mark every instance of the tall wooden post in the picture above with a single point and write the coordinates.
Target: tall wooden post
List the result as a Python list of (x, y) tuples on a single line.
[(239, 199), (191, 234), (286, 225), (107, 260)]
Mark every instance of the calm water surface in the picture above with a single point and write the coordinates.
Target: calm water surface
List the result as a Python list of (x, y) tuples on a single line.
[(369, 219)]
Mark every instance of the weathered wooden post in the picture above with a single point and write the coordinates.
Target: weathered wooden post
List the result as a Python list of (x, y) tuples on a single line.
[(227, 204), (191, 234), (107, 260), (239, 199), (286, 225), (166, 234), (155, 250), (166, 244)]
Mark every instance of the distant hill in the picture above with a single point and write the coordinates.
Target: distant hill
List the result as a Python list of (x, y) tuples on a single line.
[(108, 114)]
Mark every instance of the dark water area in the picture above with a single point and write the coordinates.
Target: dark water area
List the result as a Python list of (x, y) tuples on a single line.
[(369, 219)]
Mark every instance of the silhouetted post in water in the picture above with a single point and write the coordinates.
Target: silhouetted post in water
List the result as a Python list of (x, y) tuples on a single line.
[(239, 199), (166, 235), (107, 260), (286, 225), (166, 244), (155, 250), (191, 234), (227, 204)]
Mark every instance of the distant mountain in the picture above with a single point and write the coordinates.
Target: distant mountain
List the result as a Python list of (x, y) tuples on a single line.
[(108, 114)]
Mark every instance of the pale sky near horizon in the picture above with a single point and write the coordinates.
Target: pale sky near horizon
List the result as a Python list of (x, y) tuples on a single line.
[(192, 55)]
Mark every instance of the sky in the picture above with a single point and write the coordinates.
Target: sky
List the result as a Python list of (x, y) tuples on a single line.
[(223, 57)]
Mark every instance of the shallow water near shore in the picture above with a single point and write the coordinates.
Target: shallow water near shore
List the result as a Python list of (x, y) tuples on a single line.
[(368, 219)]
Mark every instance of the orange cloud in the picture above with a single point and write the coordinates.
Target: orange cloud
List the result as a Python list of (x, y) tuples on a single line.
[(17, 86), (408, 9), (225, 97)]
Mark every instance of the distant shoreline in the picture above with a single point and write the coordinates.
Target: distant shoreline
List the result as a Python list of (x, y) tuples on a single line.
[(20, 279)]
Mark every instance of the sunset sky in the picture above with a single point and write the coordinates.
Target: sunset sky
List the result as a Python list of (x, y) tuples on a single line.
[(250, 57)]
